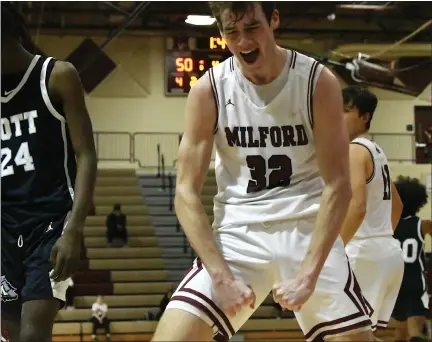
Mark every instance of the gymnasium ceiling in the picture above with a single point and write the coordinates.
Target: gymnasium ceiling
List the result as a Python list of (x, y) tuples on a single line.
[(361, 22)]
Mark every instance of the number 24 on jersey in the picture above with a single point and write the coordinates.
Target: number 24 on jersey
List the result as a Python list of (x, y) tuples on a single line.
[(22, 158)]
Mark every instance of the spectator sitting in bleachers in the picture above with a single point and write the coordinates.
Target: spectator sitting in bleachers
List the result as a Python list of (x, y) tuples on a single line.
[(99, 318), (164, 302), (116, 226)]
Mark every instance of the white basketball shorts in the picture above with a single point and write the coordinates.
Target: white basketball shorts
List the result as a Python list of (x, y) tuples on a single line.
[(262, 256), (379, 266)]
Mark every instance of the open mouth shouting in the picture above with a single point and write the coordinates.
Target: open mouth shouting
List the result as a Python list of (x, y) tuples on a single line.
[(250, 56)]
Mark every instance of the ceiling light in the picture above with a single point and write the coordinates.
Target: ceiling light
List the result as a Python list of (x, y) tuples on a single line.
[(202, 20), (366, 7)]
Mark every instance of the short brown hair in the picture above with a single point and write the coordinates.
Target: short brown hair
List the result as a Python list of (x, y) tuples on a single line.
[(239, 8)]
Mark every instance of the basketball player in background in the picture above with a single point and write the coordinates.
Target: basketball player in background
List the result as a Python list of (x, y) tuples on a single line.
[(373, 213), (48, 171), (413, 300), (283, 190)]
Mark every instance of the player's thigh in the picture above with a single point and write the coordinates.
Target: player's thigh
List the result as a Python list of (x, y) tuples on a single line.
[(183, 326), (10, 329), (337, 307), (37, 319), (37, 266)]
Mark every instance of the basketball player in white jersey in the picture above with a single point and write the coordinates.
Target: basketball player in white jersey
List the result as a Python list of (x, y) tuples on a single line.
[(282, 171), (374, 211)]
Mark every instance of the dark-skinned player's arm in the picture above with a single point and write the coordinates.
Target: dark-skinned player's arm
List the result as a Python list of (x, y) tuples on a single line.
[(332, 150), (65, 86), (426, 227), (397, 206), (194, 156), (361, 167)]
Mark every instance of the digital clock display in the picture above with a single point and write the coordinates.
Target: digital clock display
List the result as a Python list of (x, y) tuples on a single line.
[(184, 68)]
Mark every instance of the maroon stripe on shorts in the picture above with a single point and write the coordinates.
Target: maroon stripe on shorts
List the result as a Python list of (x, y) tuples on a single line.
[(357, 299), (362, 324)]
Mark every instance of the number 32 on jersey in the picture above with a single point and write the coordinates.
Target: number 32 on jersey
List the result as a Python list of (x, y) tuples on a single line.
[(280, 174), (22, 158)]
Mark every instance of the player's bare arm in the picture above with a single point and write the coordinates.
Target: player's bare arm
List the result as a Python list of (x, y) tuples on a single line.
[(332, 149), (65, 86), (397, 206), (361, 168), (193, 162), (426, 227)]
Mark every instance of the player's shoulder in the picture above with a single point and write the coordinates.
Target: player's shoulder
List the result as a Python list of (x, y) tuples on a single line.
[(363, 143), (203, 88), (64, 69), (303, 64), (64, 78), (223, 70)]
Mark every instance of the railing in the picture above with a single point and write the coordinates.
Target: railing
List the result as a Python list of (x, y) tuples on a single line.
[(141, 147), (400, 147)]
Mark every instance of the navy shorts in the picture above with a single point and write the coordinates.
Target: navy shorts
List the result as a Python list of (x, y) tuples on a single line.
[(25, 265), (410, 305)]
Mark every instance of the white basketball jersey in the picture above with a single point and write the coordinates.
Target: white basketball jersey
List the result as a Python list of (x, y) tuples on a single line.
[(266, 167), (377, 221)]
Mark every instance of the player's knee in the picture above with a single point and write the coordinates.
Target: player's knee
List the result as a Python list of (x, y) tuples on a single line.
[(31, 333)]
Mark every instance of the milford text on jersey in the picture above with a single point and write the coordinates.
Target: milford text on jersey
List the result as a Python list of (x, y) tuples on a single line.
[(275, 136)]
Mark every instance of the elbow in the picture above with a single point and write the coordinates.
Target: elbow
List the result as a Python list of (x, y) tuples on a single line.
[(89, 156), (341, 190), (360, 210), (184, 194)]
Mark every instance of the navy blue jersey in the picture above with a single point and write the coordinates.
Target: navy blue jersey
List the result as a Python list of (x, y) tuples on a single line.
[(38, 166), (408, 232)]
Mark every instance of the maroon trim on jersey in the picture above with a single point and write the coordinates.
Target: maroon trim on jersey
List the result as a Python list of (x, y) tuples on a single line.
[(215, 97), (183, 289), (373, 160), (310, 91), (293, 59), (231, 64), (364, 309)]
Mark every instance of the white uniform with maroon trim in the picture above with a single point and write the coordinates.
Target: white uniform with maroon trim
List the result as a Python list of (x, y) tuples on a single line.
[(375, 256), (268, 197)]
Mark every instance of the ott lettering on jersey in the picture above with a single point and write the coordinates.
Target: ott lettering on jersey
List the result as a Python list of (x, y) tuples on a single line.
[(16, 126), (266, 136), (8, 292)]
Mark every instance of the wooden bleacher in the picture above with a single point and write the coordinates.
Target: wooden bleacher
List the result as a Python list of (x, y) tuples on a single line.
[(254, 330)]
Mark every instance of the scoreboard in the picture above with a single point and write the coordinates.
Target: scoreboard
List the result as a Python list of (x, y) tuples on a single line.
[(187, 59)]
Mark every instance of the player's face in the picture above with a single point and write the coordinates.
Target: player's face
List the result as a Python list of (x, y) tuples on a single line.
[(251, 38), (354, 122)]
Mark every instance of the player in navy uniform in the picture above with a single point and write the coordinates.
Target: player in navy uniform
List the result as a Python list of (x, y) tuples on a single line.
[(48, 170), (412, 302)]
